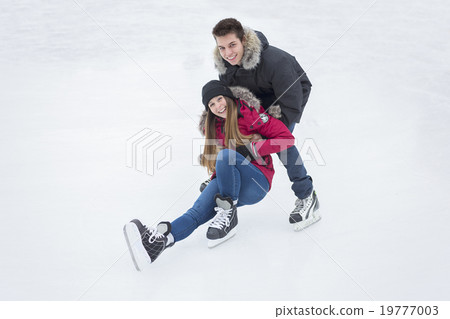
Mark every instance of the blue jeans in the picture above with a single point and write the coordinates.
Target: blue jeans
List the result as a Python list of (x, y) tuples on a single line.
[(302, 182), (237, 178)]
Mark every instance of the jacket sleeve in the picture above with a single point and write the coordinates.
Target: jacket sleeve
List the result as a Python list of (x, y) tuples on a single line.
[(278, 137), (285, 75)]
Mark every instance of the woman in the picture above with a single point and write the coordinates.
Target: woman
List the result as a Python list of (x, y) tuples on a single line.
[(241, 167)]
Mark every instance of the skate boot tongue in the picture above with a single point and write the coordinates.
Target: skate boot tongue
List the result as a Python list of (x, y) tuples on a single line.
[(164, 228), (226, 203)]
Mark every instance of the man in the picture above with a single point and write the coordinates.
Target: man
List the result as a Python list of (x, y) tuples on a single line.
[(243, 57)]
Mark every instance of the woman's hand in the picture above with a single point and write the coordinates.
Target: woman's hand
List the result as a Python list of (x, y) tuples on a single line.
[(256, 137)]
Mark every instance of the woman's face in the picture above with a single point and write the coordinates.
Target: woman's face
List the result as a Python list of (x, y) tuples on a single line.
[(231, 48), (218, 105)]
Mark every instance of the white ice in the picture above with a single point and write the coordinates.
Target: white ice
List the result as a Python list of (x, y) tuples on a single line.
[(79, 78)]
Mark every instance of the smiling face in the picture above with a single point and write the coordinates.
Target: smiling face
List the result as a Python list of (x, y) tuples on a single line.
[(218, 105), (231, 48)]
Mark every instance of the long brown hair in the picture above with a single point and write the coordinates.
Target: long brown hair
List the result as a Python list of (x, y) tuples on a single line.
[(233, 135)]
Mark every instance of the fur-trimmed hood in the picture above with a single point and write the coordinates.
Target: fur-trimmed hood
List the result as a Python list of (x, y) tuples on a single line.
[(255, 42), (243, 94), (264, 70)]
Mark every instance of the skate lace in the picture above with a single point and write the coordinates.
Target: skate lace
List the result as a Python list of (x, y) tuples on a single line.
[(153, 234), (302, 204), (221, 219)]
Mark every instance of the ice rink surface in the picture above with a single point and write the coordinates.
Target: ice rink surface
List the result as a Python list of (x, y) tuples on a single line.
[(81, 78)]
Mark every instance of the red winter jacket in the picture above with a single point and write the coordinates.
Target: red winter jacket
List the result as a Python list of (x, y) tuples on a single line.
[(276, 136)]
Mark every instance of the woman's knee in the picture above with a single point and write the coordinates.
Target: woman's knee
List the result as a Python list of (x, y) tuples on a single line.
[(226, 157), (226, 154)]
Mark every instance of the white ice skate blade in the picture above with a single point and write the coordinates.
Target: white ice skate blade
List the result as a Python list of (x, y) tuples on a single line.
[(214, 242), (137, 250), (304, 224)]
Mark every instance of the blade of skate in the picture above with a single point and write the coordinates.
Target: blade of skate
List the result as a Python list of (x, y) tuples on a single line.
[(304, 224), (215, 242), (133, 239)]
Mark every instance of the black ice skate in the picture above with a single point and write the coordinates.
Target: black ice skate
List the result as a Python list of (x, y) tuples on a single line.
[(305, 212), (146, 244), (223, 226), (204, 185)]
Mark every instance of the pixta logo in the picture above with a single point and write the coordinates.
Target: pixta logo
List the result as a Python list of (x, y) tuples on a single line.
[(148, 151), (308, 151)]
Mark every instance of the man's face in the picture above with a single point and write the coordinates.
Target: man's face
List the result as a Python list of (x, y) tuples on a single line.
[(230, 48)]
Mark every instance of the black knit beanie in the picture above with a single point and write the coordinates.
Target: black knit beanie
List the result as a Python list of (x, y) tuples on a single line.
[(214, 88)]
